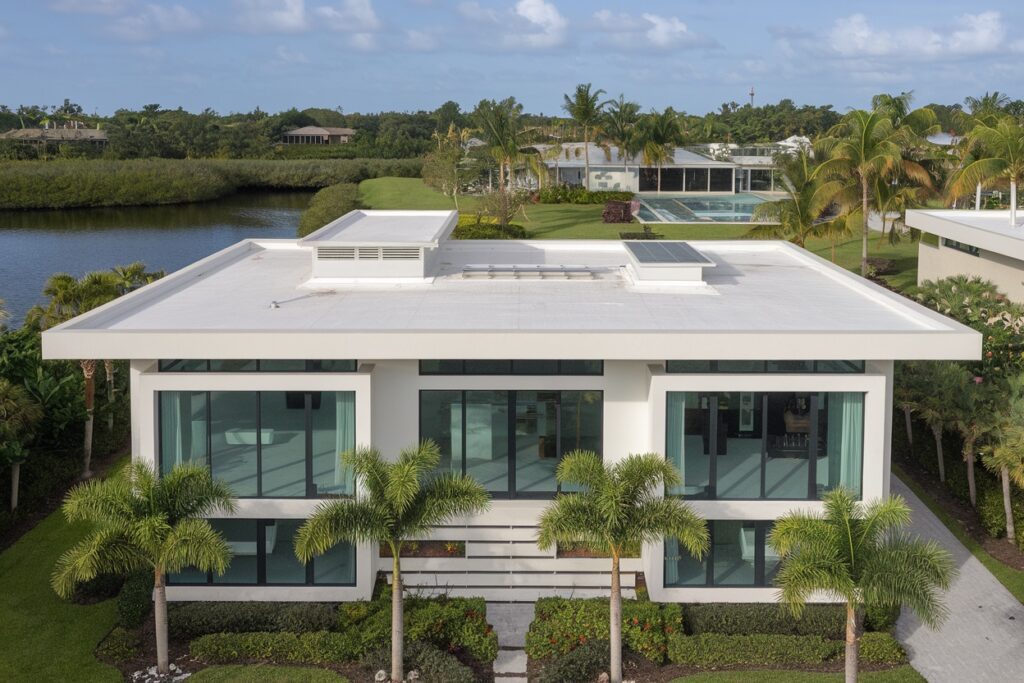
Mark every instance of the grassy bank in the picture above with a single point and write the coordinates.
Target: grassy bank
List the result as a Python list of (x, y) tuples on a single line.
[(90, 183)]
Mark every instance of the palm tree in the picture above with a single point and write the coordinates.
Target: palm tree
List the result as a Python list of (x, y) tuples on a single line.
[(618, 128), (397, 502), (146, 523), (904, 395), (1006, 457), (618, 509), (859, 554), (990, 104), (659, 132), (70, 297), (938, 383), (1000, 156), (974, 418), (985, 109), (19, 415), (861, 148), (585, 108), (798, 216), (501, 127)]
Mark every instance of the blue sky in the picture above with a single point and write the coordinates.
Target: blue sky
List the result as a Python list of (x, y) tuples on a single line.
[(371, 55)]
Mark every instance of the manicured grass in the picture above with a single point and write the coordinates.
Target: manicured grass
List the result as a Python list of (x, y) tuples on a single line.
[(902, 674), (265, 672), (43, 637), (405, 193), (1012, 578)]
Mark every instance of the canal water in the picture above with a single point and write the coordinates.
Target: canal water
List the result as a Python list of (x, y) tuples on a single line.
[(36, 244)]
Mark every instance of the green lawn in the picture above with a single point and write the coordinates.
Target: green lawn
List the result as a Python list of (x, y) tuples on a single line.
[(903, 674), (1012, 578), (265, 672), (583, 221), (43, 637)]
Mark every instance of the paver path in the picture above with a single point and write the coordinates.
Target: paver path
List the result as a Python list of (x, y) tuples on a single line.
[(983, 639), (510, 622)]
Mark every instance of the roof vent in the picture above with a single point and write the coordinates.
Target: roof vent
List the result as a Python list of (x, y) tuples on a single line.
[(666, 263)]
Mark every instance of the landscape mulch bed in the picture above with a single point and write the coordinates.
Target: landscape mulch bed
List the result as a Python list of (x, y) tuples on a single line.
[(963, 513)]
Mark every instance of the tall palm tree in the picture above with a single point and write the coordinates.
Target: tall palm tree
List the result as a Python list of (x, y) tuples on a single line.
[(1006, 457), (19, 415), (1000, 157), (659, 133), (585, 108), (974, 418), (618, 509), (396, 502), (501, 127), (618, 128), (904, 395), (990, 104), (858, 553), (937, 382), (797, 216), (861, 148), (142, 522)]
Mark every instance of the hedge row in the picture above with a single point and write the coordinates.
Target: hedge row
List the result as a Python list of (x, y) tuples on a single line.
[(710, 650), (329, 203), (316, 647), (827, 621), (561, 624), (193, 619), (432, 664), (574, 194)]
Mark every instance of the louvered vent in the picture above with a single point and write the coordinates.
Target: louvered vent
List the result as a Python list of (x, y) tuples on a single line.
[(400, 253), (368, 253), (335, 253)]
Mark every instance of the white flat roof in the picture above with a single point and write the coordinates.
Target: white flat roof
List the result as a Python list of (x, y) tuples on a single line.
[(368, 228), (763, 299), (989, 230)]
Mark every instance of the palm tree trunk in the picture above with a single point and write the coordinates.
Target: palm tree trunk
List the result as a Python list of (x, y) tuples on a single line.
[(15, 476), (937, 433), (972, 491), (864, 237), (586, 158), (1013, 202), (909, 426), (108, 365), (852, 643), (89, 373), (615, 625), (977, 197), (833, 252), (163, 665), (397, 623), (659, 178), (1011, 531)]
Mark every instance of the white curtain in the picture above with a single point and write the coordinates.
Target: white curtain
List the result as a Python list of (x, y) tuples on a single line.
[(183, 428), (345, 439), (845, 440), (675, 443)]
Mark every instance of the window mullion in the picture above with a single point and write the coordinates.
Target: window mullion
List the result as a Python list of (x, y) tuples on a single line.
[(310, 485), (812, 450), (764, 444), (259, 444)]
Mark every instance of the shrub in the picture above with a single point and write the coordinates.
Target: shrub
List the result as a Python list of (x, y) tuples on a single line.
[(574, 194), (135, 601), (433, 665), (561, 624), (993, 518), (709, 650), (826, 621), (326, 205), (581, 664), (101, 587), (120, 645), (881, 648), (881, 618), (317, 647), (192, 619), (489, 231)]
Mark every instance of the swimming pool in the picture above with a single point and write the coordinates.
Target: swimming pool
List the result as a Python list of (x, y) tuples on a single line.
[(698, 208)]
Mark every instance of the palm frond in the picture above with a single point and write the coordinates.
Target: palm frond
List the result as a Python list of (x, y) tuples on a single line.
[(195, 543), (107, 549), (337, 521)]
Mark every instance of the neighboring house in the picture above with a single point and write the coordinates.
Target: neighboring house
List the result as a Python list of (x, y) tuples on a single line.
[(44, 136), (762, 371), (317, 135), (968, 242), (704, 169)]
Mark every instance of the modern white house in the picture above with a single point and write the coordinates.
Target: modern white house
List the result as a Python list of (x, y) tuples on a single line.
[(762, 371), (969, 242)]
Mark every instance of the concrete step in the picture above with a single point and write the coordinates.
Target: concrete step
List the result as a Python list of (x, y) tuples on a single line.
[(510, 662)]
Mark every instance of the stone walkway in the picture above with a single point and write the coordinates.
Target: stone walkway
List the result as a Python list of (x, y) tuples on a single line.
[(983, 639), (510, 622)]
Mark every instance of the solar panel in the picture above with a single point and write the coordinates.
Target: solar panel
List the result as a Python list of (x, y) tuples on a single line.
[(666, 252)]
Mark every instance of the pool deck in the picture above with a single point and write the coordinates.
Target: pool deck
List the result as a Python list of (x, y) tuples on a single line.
[(683, 208)]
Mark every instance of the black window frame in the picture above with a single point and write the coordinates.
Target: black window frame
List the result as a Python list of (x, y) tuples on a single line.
[(960, 246), (857, 367), (512, 370), (164, 365), (511, 493), (311, 493), (762, 527), (261, 565)]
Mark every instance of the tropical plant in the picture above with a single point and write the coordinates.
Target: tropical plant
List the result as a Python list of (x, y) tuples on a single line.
[(397, 502), (938, 382), (501, 127), (69, 297), (1000, 157), (798, 216), (990, 104), (658, 133), (586, 109), (442, 167), (974, 418), (19, 415), (904, 395), (618, 509), (142, 522), (1006, 456), (858, 553), (862, 148), (619, 129)]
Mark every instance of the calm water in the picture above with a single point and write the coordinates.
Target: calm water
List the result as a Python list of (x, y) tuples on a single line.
[(36, 244)]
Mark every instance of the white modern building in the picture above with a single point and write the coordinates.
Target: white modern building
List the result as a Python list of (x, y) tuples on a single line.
[(762, 371), (967, 242)]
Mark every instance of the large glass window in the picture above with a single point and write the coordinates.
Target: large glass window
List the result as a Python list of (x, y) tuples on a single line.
[(263, 553), (271, 444), (511, 367), (739, 555), (249, 365), (764, 366), (765, 445), (510, 441), (721, 179), (696, 180)]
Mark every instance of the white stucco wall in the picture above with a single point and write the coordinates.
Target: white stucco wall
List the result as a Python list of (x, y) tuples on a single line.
[(1005, 272)]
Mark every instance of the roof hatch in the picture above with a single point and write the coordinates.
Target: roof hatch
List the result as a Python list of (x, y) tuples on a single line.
[(665, 262)]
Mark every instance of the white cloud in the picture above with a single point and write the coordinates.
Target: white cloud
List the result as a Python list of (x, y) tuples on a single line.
[(286, 55), (91, 6), (277, 16), (979, 33), (155, 19), (975, 34), (363, 41), (350, 16), (545, 26), (420, 41), (648, 30), (473, 11)]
